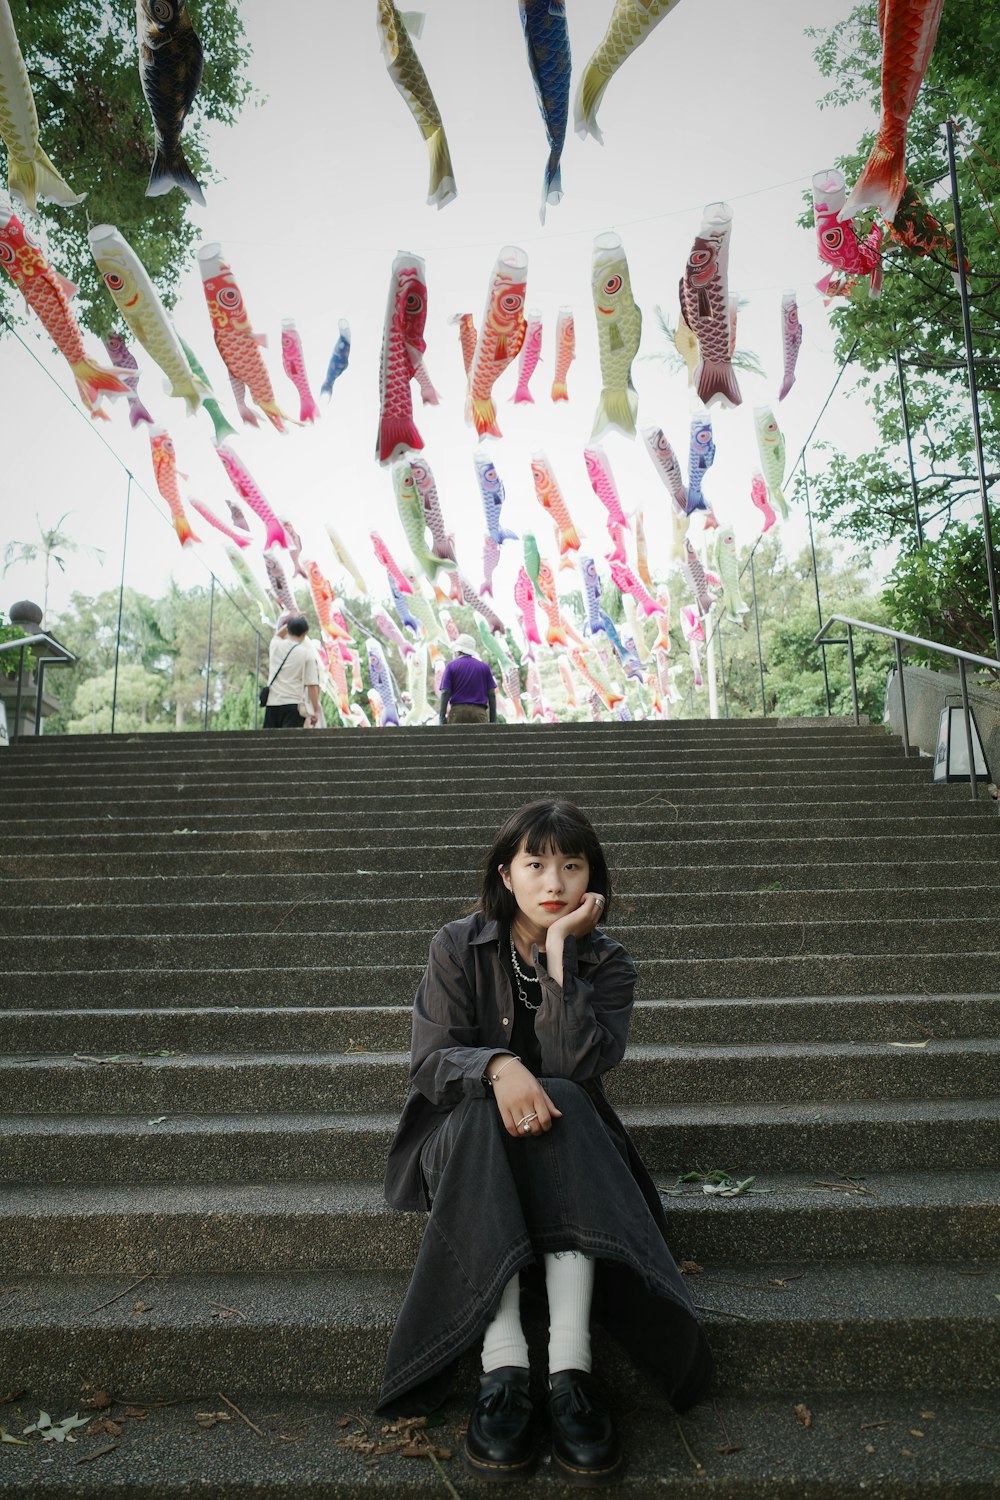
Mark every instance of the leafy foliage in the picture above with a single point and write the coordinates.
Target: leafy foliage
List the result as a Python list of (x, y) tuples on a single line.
[(94, 124), (941, 592), (868, 499)]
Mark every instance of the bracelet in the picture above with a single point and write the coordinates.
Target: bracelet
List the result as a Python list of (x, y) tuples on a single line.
[(491, 1078)]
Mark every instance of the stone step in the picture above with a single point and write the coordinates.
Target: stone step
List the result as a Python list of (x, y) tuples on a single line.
[(316, 1028), (229, 882), (750, 1447), (323, 1225), (831, 973), (650, 1074), (362, 958), (425, 914), (886, 1328), (816, 1136)]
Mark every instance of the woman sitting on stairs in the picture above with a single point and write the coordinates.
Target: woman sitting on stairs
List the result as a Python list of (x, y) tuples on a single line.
[(508, 1138)]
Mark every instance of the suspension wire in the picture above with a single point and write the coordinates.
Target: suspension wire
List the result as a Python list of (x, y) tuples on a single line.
[(5, 321)]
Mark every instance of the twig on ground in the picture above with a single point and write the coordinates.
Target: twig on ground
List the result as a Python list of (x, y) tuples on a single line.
[(722, 1311), (443, 1477), (242, 1415), (698, 1466), (224, 1308), (97, 1453), (124, 1293)]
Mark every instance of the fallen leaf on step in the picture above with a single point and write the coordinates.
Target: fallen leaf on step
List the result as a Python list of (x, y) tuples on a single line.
[(727, 1189), (804, 1415), (927, 1416), (907, 1453), (158, 1121), (869, 1447), (909, 1044), (211, 1418), (915, 1432), (139, 1412), (93, 1399), (104, 1425), (97, 1453), (11, 1396), (5, 1437), (690, 1268), (56, 1432), (141, 1307)]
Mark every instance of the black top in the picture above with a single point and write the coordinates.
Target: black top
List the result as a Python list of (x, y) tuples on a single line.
[(524, 1039)]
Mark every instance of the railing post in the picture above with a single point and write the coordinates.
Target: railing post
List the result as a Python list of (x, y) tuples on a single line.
[(902, 697), (756, 618), (854, 675), (17, 702), (208, 665), (121, 598), (968, 729), (256, 685)]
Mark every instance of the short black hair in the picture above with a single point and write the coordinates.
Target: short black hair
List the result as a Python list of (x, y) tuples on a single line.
[(297, 625), (548, 826)]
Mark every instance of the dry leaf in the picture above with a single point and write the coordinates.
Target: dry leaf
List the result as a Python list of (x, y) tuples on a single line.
[(94, 1400), (915, 1432), (141, 1412), (12, 1396), (927, 1416), (869, 1447), (210, 1418), (96, 1453), (907, 1453), (104, 1424), (141, 1307), (909, 1044), (690, 1268), (804, 1415), (732, 1448)]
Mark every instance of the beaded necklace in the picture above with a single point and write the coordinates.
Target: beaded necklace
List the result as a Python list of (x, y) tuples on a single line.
[(521, 979)]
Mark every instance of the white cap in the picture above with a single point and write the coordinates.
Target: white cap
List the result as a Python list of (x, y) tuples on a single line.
[(466, 645)]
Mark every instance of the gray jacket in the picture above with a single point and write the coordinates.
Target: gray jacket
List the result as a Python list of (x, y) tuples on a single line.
[(463, 1015)]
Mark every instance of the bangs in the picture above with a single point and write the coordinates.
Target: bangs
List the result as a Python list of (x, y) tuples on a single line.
[(553, 828)]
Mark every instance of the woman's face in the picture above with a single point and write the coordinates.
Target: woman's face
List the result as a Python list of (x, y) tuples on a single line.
[(546, 886)]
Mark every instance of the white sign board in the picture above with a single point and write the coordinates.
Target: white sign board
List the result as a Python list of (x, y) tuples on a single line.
[(4, 736)]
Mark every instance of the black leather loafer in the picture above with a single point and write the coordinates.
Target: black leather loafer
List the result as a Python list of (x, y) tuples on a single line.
[(585, 1444), (501, 1442)]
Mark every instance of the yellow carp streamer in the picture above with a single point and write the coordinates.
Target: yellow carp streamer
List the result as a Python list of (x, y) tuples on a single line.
[(630, 24)]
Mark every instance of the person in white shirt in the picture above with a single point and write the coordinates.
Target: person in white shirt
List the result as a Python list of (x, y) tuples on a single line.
[(293, 696)]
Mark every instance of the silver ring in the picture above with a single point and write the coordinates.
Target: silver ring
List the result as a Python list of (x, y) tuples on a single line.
[(600, 900), (526, 1127)]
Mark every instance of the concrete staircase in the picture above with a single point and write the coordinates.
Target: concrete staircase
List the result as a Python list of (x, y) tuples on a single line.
[(209, 946)]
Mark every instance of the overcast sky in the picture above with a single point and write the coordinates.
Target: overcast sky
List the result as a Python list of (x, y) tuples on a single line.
[(326, 181)]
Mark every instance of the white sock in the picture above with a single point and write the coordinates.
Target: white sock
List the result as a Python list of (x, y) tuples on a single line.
[(504, 1342), (569, 1283)]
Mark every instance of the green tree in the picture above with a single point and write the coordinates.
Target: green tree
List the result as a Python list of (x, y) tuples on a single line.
[(136, 700), (867, 499), (941, 592), (52, 545), (82, 64)]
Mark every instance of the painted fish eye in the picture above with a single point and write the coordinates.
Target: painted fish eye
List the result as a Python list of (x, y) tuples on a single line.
[(7, 254), (613, 286), (698, 259), (833, 238), (229, 296), (114, 282), (414, 302), (161, 11), (511, 302)]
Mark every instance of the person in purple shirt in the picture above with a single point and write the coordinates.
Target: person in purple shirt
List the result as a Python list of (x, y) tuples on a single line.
[(467, 687)]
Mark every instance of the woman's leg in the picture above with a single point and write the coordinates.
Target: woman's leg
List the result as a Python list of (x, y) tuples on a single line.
[(504, 1343), (501, 1439), (569, 1285)]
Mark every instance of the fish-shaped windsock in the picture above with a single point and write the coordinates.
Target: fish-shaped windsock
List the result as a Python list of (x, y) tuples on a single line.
[(165, 469), (444, 542), (401, 604), (294, 548), (666, 465), (294, 365), (908, 29), (641, 554), (251, 586), (532, 561), (512, 683), (391, 632), (139, 303), (791, 340), (771, 447), (627, 581), (278, 579), (623, 648), (339, 359), (728, 569), (240, 539), (123, 359), (687, 347), (603, 484), (704, 294), (589, 667), (524, 598), (695, 575), (402, 347), (467, 337), (346, 561), (325, 600), (381, 680), (416, 686), (546, 36), (758, 497), (171, 62), (234, 336), (395, 30), (619, 328), (30, 174), (48, 295), (491, 556), (701, 457), (411, 514), (531, 351), (249, 490), (493, 494), (591, 593), (565, 353), (501, 335), (480, 606), (630, 24), (388, 562), (914, 226), (550, 499), (223, 429), (837, 242)]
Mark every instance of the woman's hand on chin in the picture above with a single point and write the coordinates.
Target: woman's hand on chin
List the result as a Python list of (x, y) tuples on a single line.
[(521, 1100)]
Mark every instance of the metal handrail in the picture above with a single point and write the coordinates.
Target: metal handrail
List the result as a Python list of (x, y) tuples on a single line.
[(899, 638), (65, 658)]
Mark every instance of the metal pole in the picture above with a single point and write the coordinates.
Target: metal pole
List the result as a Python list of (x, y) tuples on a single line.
[(902, 697), (722, 669), (819, 607), (17, 703), (256, 685), (963, 287), (756, 620), (854, 675), (710, 675), (968, 725), (208, 665), (121, 597), (909, 448)]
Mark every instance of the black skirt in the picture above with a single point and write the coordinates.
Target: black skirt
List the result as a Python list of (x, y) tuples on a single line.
[(497, 1204)]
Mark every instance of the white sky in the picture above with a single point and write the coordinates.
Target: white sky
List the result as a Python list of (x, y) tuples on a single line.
[(327, 181)]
